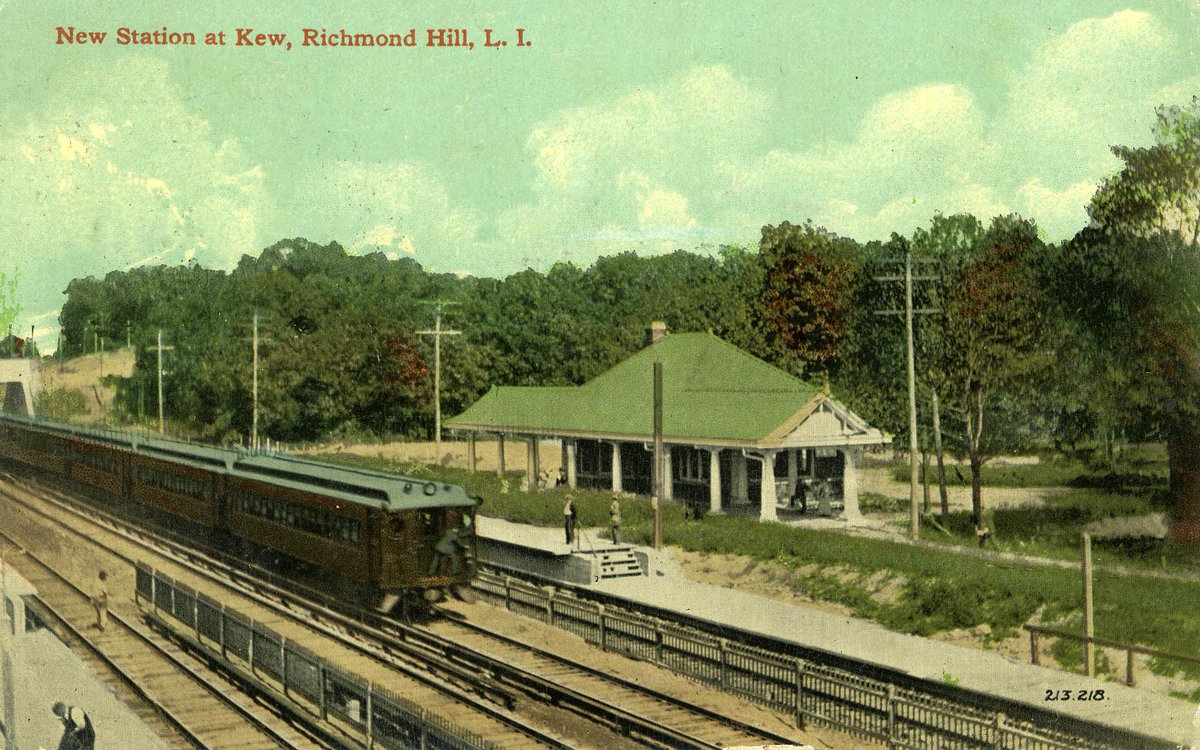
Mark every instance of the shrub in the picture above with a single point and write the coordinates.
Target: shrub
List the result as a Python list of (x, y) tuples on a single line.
[(61, 404)]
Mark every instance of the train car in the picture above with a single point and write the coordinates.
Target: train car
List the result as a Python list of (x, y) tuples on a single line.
[(364, 525), (406, 539), (180, 478)]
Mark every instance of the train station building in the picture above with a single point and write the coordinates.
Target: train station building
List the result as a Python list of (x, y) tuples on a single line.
[(740, 435)]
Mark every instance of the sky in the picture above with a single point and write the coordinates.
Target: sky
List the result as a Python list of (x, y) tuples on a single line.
[(618, 126)]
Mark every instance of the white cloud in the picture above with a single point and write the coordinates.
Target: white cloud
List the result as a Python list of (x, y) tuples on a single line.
[(401, 206), (1094, 85), (1059, 212), (85, 196)]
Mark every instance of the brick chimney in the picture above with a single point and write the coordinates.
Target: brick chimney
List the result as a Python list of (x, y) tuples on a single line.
[(657, 332)]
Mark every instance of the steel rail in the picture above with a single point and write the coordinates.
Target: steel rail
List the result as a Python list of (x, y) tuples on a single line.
[(286, 603), (729, 721), (197, 677)]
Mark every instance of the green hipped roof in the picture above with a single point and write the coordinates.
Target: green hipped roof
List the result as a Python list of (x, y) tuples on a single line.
[(711, 389)]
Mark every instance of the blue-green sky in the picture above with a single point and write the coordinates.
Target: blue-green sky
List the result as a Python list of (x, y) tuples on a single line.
[(622, 126)]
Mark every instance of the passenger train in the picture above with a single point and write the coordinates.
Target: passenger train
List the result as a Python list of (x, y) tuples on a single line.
[(409, 541)]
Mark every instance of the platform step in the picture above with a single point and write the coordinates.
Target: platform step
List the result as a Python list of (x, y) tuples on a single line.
[(619, 564)]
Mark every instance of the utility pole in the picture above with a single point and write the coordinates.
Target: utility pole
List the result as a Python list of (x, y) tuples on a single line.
[(162, 423), (659, 479), (437, 334), (914, 516), (254, 388)]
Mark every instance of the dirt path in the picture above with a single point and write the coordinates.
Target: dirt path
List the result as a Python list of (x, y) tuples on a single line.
[(879, 481)]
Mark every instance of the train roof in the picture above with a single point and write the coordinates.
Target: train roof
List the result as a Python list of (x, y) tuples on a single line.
[(373, 488), (359, 485)]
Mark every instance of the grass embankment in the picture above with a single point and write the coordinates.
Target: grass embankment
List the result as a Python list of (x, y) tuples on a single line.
[(937, 590)]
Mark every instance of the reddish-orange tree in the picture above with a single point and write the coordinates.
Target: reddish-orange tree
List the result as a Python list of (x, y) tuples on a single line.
[(808, 294)]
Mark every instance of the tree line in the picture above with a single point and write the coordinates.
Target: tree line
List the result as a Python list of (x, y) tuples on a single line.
[(1025, 342)]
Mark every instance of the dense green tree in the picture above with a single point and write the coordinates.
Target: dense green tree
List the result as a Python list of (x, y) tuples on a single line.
[(1131, 282), (994, 335)]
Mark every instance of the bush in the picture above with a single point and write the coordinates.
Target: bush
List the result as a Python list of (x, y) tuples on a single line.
[(61, 404)]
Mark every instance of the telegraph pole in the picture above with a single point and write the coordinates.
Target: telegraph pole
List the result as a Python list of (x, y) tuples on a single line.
[(659, 479), (254, 388), (914, 517), (162, 424), (437, 334)]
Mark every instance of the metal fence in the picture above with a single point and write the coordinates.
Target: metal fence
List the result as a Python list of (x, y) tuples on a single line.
[(372, 716), (899, 716)]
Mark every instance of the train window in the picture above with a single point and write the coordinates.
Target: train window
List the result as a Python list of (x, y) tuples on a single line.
[(310, 520)]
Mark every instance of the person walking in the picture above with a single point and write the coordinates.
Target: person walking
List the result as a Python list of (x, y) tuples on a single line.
[(569, 519), (78, 733), (614, 520), (100, 601)]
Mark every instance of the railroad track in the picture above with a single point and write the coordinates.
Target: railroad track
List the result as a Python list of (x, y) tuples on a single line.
[(177, 695), (649, 715), (473, 706), (568, 697)]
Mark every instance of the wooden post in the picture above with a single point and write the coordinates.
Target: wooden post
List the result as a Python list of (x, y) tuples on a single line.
[(659, 479), (1089, 649), (370, 718), (723, 655), (471, 454), (799, 693), (1130, 679), (500, 467), (161, 421), (254, 387), (913, 517), (1034, 656), (891, 715)]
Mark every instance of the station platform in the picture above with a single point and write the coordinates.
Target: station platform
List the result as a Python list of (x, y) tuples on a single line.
[(663, 586), (37, 670), (544, 552)]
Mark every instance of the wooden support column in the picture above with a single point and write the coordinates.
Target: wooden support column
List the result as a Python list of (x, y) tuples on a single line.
[(471, 452), (793, 472), (668, 482), (714, 480), (851, 458), (616, 467), (500, 466), (739, 483), (767, 499), (572, 468)]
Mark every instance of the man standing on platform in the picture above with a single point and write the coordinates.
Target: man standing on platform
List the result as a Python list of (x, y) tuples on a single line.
[(569, 519)]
